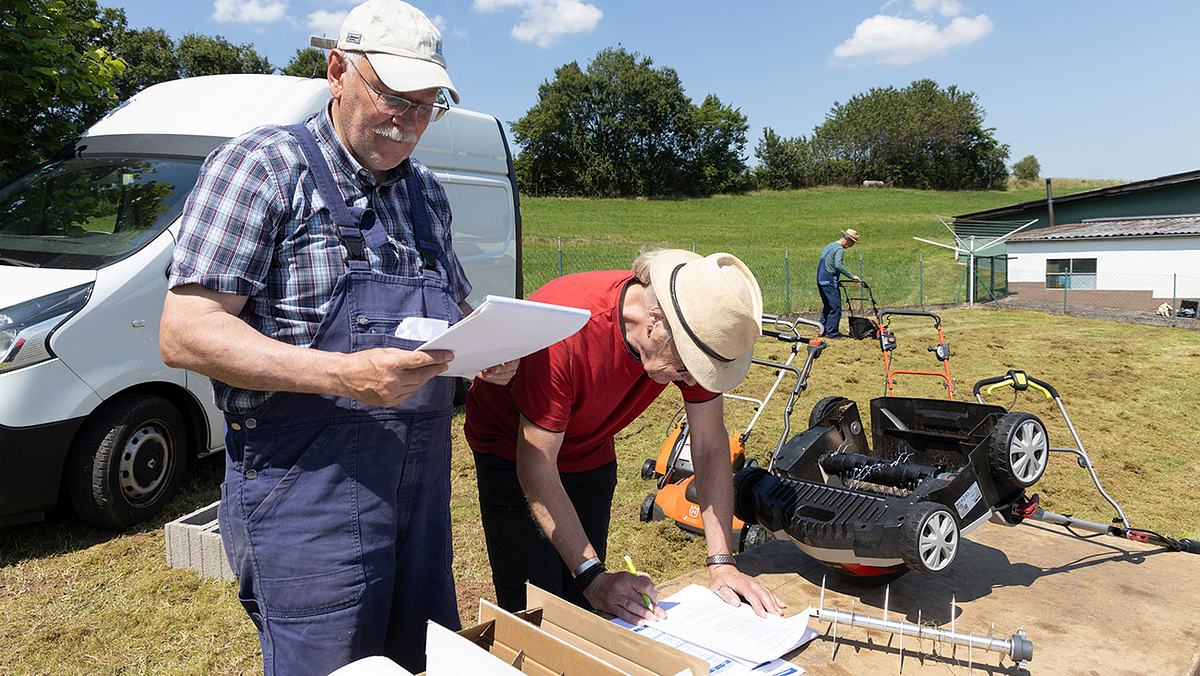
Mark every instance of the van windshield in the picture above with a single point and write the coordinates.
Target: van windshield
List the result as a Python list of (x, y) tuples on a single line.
[(85, 213)]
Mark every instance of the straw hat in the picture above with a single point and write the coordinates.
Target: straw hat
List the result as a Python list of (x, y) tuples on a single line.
[(714, 307), (850, 234)]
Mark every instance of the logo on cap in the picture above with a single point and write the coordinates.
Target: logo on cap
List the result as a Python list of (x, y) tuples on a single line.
[(356, 38), (437, 48)]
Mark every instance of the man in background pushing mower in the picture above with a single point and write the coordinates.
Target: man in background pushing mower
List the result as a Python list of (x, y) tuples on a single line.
[(830, 267), (544, 447)]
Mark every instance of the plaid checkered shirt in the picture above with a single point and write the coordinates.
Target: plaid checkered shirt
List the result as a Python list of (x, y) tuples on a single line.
[(252, 227)]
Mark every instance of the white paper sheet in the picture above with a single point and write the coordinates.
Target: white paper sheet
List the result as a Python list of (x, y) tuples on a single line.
[(697, 615), (718, 664), (502, 329)]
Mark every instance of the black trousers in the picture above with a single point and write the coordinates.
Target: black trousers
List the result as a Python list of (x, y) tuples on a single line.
[(517, 549)]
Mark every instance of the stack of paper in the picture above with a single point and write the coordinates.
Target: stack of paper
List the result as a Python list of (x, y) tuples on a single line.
[(500, 330), (732, 640)]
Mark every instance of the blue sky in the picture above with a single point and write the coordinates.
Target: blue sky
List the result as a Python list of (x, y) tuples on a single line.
[(1099, 89)]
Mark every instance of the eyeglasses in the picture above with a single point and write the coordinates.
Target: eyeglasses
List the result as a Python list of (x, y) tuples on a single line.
[(398, 105)]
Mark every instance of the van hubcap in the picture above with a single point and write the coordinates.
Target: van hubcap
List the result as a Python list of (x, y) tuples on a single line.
[(145, 462)]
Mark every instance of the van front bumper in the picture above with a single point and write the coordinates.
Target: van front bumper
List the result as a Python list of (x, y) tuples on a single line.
[(31, 462)]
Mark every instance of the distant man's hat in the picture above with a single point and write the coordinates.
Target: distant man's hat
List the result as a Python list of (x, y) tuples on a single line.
[(403, 45), (850, 234), (714, 307)]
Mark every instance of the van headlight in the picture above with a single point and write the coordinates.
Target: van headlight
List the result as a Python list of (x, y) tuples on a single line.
[(25, 328)]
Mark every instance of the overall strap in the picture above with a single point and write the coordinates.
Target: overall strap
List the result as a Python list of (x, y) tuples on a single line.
[(427, 244), (350, 223)]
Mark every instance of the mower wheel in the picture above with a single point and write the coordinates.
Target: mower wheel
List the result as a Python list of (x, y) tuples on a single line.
[(929, 538), (823, 408), (649, 507), (754, 535), (648, 469), (867, 581), (1018, 450)]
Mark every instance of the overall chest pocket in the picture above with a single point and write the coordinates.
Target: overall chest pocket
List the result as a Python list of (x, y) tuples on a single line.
[(379, 330)]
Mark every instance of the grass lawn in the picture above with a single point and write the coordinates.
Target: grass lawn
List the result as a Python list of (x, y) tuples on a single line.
[(760, 227), (79, 600)]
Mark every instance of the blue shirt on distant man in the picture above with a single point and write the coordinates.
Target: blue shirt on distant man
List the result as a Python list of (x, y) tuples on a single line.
[(829, 268)]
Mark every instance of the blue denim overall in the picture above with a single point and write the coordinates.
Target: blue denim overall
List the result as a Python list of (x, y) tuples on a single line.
[(831, 299), (336, 515)]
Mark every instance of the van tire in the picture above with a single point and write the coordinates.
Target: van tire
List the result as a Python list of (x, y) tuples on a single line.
[(127, 461)]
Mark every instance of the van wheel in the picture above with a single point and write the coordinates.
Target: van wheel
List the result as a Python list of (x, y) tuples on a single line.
[(127, 461)]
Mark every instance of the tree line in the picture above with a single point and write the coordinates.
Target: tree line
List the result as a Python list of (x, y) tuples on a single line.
[(65, 63), (623, 127), (618, 127)]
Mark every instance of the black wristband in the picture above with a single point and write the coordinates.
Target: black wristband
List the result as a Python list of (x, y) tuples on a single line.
[(587, 577)]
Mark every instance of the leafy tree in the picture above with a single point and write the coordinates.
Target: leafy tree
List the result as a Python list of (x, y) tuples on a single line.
[(622, 128), (718, 162), (151, 58), (207, 55), (49, 73), (309, 62), (784, 163), (921, 136), (1027, 169)]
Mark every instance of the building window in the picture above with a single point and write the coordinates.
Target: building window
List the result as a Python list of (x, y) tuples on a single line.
[(1071, 273)]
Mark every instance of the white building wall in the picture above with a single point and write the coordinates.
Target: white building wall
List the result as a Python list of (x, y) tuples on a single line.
[(1123, 263)]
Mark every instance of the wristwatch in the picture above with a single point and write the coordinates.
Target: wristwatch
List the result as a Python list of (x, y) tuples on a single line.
[(720, 560), (584, 566)]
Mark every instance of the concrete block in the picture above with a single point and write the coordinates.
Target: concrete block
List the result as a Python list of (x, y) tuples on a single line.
[(193, 541)]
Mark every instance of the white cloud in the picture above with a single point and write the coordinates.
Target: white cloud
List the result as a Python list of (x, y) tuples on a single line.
[(439, 21), (947, 8), (253, 11), (898, 41), (543, 22), (326, 23)]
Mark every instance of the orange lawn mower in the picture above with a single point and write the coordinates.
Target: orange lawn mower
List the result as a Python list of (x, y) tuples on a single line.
[(675, 497), (887, 344)]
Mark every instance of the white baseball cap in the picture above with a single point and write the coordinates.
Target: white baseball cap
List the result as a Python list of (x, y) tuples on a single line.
[(403, 45)]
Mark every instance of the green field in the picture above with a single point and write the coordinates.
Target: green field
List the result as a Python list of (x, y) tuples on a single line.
[(80, 600), (759, 228)]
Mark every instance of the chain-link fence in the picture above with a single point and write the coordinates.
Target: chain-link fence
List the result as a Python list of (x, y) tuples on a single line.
[(787, 277), (902, 279), (1111, 294)]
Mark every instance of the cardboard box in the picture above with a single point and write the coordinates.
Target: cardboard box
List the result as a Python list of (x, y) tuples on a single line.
[(632, 653), (514, 643), (554, 638)]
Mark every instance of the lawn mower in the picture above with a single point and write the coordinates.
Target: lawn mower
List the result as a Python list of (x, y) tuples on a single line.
[(887, 345), (937, 469), (675, 497), (855, 296)]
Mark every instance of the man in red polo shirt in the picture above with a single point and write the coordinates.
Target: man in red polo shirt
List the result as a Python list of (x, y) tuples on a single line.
[(544, 452)]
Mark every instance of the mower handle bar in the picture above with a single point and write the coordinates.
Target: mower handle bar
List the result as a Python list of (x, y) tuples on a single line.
[(779, 325), (1018, 380), (937, 321)]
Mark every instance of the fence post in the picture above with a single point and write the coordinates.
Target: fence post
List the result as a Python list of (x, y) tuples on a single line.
[(1066, 285), (787, 281), (559, 256), (693, 247), (921, 279), (860, 265), (1174, 288)]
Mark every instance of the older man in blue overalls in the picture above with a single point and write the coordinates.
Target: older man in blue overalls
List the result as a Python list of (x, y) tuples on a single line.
[(301, 251), (829, 268)]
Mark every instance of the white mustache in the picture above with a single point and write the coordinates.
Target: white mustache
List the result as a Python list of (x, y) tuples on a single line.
[(394, 133)]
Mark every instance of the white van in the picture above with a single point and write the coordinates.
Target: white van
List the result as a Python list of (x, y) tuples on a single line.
[(87, 407)]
